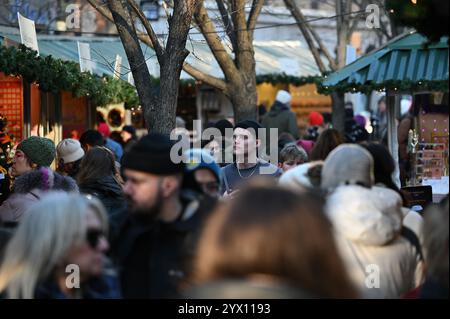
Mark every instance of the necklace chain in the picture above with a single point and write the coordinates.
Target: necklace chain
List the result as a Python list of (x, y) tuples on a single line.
[(250, 175)]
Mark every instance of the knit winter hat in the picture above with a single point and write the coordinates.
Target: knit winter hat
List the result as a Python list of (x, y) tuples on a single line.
[(69, 150), (360, 120), (152, 154), (39, 150), (315, 118), (348, 164), (198, 159), (283, 97), (222, 125)]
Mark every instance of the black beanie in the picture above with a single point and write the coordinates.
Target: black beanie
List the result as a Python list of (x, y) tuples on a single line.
[(249, 124), (222, 125), (151, 154)]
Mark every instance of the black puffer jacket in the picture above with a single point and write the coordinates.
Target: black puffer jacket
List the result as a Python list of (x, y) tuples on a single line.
[(154, 257), (110, 193)]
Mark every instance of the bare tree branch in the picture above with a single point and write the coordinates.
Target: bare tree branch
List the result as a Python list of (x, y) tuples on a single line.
[(127, 33), (253, 17), (208, 79), (159, 49), (317, 38), (353, 27), (102, 9), (322, 47), (240, 25), (215, 44), (227, 24), (176, 43), (290, 4), (188, 68), (348, 8)]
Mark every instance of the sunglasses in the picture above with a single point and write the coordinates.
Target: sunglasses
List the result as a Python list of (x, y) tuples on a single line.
[(210, 187), (93, 237)]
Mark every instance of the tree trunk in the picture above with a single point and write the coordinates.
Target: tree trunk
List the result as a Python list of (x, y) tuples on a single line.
[(169, 80), (243, 98), (142, 80), (343, 28), (341, 49), (338, 100), (171, 64), (338, 111), (239, 72)]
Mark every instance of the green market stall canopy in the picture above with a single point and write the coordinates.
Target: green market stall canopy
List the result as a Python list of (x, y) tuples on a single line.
[(403, 64)]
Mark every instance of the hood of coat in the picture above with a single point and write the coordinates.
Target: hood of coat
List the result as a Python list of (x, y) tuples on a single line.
[(277, 108), (371, 217), (44, 179), (107, 186)]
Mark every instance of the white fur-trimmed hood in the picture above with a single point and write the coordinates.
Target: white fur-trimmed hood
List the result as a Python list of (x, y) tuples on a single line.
[(367, 216)]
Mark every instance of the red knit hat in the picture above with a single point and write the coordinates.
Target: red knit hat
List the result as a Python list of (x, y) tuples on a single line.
[(315, 119)]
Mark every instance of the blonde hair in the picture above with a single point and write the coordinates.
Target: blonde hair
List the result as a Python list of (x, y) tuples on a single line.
[(43, 239)]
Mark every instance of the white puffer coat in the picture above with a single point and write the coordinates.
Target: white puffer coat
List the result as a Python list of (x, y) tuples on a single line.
[(368, 225)]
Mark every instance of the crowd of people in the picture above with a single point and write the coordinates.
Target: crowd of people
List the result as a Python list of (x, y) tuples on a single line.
[(325, 221)]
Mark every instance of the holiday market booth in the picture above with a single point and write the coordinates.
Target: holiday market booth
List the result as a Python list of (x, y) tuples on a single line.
[(418, 140), (46, 94)]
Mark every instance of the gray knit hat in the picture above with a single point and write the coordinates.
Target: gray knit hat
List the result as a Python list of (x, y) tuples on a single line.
[(348, 164), (39, 150)]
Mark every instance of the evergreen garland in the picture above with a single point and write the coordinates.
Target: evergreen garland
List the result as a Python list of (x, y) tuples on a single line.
[(287, 79), (391, 85), (55, 75)]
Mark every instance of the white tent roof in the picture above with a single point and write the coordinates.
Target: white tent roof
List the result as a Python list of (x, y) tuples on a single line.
[(272, 57)]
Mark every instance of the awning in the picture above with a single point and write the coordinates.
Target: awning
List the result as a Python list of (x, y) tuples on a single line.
[(405, 58), (272, 57)]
